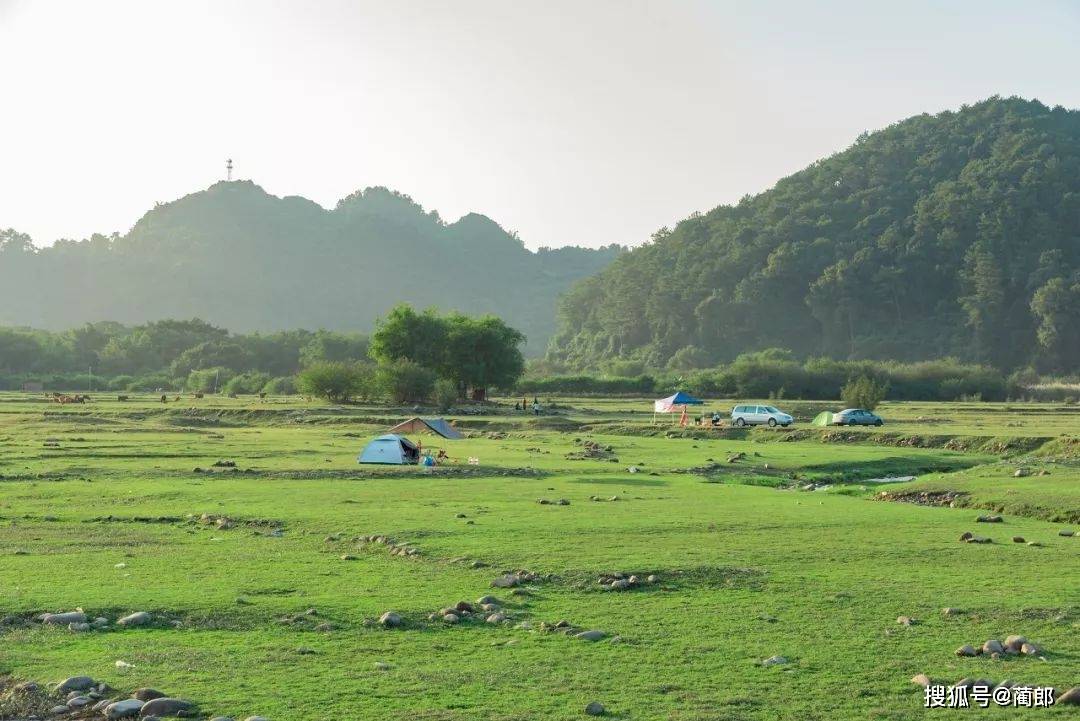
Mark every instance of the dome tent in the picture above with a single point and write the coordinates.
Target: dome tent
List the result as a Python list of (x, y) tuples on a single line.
[(390, 449)]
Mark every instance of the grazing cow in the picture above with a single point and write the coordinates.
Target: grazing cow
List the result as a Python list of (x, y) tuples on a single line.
[(121, 398), (164, 399)]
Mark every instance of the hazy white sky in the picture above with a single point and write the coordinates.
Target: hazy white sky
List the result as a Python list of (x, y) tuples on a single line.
[(585, 122)]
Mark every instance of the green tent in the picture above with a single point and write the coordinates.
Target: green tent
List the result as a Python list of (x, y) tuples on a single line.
[(822, 419)]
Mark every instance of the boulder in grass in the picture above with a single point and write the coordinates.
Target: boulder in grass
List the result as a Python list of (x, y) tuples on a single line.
[(993, 646), (1069, 698), (1031, 649), (1019, 539), (921, 680), (1066, 532), (595, 708), (1014, 643), (590, 635), (390, 619), (166, 707), (147, 694), (905, 620), (989, 519), (967, 650), (966, 536), (75, 683), (127, 708), (139, 618), (63, 619), (774, 661)]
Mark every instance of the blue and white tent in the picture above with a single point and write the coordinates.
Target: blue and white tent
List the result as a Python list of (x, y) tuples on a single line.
[(390, 449)]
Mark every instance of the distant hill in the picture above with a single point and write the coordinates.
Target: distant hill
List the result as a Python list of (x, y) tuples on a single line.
[(956, 234), (238, 257)]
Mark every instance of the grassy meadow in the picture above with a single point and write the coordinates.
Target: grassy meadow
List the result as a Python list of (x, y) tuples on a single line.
[(763, 543)]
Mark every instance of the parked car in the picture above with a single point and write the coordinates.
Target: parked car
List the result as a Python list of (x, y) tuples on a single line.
[(759, 415), (856, 417)]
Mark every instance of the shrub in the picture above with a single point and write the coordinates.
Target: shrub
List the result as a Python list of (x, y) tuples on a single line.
[(335, 381), (119, 383), (445, 394), (246, 383), (280, 386), (152, 382), (208, 380), (864, 392), (404, 381)]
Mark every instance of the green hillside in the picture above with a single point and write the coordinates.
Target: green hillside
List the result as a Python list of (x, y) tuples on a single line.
[(239, 257), (956, 234)]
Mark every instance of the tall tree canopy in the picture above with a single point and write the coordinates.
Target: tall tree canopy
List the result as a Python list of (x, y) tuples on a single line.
[(474, 353), (956, 234)]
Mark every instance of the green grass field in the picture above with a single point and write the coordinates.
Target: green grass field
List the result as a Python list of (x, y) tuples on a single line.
[(99, 508)]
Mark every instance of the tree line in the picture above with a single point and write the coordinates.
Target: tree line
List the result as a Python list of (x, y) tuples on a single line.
[(407, 354)]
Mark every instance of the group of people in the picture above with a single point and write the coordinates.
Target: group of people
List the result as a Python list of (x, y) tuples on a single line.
[(524, 405), (716, 420)]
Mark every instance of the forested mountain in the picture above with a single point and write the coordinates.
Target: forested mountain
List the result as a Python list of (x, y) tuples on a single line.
[(238, 257), (956, 234)]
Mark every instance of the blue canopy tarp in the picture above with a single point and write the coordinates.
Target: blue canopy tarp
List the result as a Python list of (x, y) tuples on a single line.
[(669, 404)]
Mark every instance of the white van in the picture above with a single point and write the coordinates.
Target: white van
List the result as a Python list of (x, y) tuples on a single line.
[(759, 415)]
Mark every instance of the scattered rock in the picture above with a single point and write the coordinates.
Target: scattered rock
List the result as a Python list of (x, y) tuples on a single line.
[(774, 661), (1066, 532), (1014, 643), (905, 620), (1031, 649), (166, 706), (124, 709), (63, 619), (1021, 472), (993, 646), (989, 519), (1070, 697), (147, 694), (980, 539), (950, 611), (381, 666), (390, 619), (1019, 539), (595, 708), (921, 680), (139, 618), (967, 650), (348, 557), (590, 635), (75, 683)]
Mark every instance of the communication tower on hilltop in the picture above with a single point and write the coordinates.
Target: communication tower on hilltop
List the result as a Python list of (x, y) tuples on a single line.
[(228, 169)]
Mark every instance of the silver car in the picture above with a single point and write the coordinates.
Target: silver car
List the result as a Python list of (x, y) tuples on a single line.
[(759, 415), (856, 417)]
